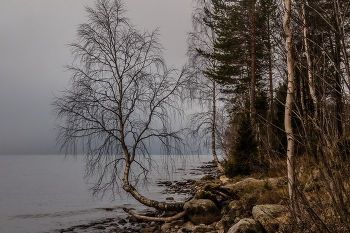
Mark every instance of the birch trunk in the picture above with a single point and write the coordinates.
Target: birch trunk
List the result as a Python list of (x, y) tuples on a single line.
[(177, 206), (213, 130), (289, 102)]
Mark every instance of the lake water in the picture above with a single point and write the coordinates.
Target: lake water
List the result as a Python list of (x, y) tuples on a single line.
[(43, 193)]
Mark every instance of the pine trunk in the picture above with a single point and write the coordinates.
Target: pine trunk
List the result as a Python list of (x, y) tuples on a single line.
[(253, 67)]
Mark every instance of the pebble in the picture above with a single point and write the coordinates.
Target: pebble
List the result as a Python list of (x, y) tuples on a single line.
[(122, 221)]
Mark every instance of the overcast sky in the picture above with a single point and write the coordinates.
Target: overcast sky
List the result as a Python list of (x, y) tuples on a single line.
[(33, 51)]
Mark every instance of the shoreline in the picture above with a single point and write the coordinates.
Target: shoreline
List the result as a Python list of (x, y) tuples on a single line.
[(129, 224)]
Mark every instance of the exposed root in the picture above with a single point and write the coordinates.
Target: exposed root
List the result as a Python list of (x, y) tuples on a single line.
[(221, 193), (156, 219)]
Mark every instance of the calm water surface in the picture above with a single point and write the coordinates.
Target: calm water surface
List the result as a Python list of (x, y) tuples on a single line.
[(43, 193)]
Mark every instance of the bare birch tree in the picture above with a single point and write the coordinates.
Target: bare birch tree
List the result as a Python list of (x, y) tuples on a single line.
[(204, 89), (120, 100)]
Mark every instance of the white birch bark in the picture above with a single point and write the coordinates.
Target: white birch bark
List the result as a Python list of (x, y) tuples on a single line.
[(289, 102)]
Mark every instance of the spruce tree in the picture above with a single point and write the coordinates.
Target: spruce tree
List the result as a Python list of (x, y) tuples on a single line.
[(244, 152)]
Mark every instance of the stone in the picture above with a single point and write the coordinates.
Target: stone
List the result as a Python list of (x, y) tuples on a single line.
[(246, 225), (225, 223), (133, 219), (272, 217), (224, 179), (241, 184), (235, 207), (137, 228), (122, 221), (190, 181), (202, 229), (148, 230), (166, 227), (115, 229), (184, 230), (151, 224), (187, 227), (202, 211)]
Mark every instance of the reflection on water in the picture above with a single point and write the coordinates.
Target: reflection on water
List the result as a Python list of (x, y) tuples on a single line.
[(40, 193)]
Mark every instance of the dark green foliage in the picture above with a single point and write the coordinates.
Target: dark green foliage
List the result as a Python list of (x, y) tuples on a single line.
[(229, 46), (244, 152), (261, 104)]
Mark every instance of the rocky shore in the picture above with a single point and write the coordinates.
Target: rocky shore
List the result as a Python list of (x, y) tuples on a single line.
[(215, 204), (129, 224)]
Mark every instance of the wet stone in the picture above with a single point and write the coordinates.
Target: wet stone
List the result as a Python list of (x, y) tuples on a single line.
[(123, 221)]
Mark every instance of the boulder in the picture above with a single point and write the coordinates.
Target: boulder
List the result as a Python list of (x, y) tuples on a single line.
[(202, 211), (240, 185), (272, 217), (237, 208), (246, 225)]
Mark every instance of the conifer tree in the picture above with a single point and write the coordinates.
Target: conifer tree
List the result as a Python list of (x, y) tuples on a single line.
[(244, 152)]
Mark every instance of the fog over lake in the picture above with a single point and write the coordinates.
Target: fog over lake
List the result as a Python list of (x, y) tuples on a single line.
[(33, 51)]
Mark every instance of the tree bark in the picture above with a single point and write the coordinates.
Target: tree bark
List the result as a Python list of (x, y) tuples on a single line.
[(338, 86), (156, 219), (213, 129), (253, 67), (309, 63), (289, 103), (177, 206), (271, 112)]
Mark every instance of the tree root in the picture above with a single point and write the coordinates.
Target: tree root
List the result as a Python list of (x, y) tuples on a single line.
[(156, 219), (221, 193)]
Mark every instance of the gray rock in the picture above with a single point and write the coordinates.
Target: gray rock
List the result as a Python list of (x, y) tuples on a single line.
[(202, 211), (271, 217), (235, 208), (122, 221), (137, 228), (246, 225)]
